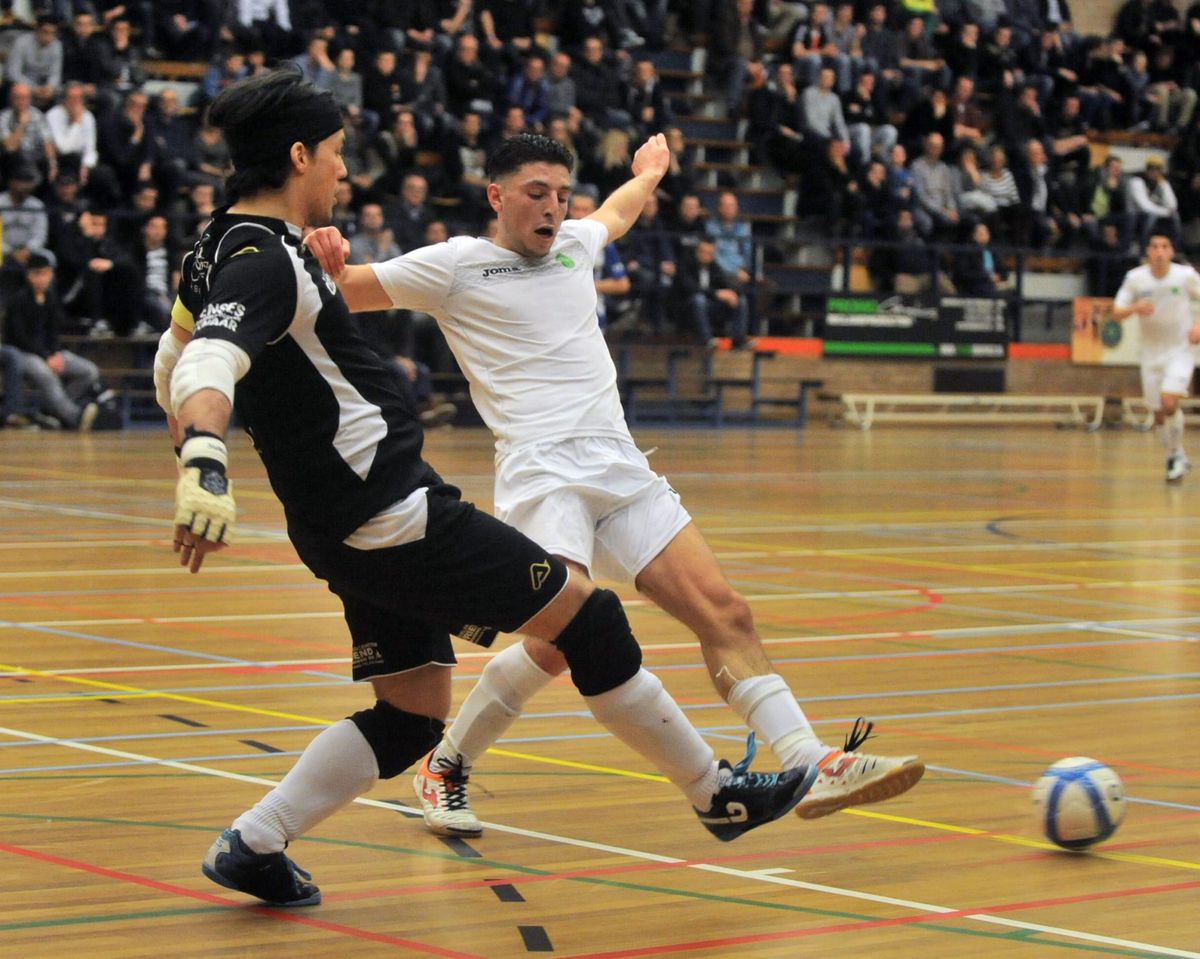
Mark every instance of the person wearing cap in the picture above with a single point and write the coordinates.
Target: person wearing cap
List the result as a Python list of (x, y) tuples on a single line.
[(60, 379), (1153, 202)]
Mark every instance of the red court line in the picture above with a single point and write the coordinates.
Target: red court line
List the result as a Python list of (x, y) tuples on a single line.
[(884, 923), (264, 911), (641, 867)]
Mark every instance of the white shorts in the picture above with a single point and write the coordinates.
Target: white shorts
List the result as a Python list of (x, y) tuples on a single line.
[(1167, 374), (594, 500)]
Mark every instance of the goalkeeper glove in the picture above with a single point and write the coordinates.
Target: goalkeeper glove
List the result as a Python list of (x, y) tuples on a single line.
[(204, 503)]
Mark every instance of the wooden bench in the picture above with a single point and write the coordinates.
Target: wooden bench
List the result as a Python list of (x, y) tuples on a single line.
[(865, 409), (665, 397), (1135, 412)]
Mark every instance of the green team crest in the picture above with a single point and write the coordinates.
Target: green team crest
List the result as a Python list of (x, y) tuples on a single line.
[(1110, 334), (563, 260)]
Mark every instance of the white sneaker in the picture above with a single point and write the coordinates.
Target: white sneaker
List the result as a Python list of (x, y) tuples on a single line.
[(849, 778), (443, 796), (1177, 467)]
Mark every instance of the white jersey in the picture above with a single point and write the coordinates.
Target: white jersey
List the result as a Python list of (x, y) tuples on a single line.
[(523, 330), (1165, 331)]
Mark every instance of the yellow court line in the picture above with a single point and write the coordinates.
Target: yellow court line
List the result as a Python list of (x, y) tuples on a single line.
[(627, 773), (1021, 840)]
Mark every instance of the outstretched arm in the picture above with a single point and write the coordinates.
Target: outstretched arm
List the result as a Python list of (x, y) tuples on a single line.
[(621, 210), (359, 287)]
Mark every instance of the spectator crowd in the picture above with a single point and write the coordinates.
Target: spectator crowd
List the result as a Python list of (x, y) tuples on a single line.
[(903, 123)]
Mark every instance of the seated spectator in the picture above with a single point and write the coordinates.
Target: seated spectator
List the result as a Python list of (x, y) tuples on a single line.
[(919, 63), (1069, 143), (823, 119), (514, 125), (1000, 184), (963, 53), (612, 281), (680, 178), (560, 86), (649, 258), (1038, 196), (182, 27), (977, 272), (1173, 99), (62, 208), (267, 24), (227, 68), (830, 187), (425, 92), (73, 130), (646, 103), (211, 157), (881, 53), (123, 144), (1106, 200), (23, 215), (732, 238), (156, 259), (84, 53), (1101, 82), (96, 275), (875, 205), (123, 70), (397, 151), (599, 92), (846, 36), (813, 50), (36, 60), (900, 179), (529, 90), (346, 85), (126, 221), (372, 242), (13, 413), (315, 63), (974, 200), (583, 19), (1109, 260), (774, 120), (465, 161), (1023, 121), (934, 190), (1152, 202), (690, 225), (609, 167), (735, 39), (866, 122), (410, 214), (507, 27), (25, 137), (470, 84), (709, 299), (383, 88), (913, 265), (60, 379), (968, 119), (932, 115)]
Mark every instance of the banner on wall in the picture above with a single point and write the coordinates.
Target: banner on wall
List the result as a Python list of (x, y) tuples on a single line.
[(1099, 340)]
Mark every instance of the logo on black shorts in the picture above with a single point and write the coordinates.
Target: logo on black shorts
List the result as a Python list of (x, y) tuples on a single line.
[(539, 573), (367, 654)]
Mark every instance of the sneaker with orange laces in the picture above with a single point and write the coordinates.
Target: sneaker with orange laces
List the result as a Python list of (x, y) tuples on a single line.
[(849, 778), (442, 790)]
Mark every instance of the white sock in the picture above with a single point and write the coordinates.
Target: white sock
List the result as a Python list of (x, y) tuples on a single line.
[(336, 767), (768, 707), (1177, 432), (493, 704), (644, 717)]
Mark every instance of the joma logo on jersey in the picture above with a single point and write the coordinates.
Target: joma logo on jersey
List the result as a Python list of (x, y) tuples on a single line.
[(493, 270), (227, 315)]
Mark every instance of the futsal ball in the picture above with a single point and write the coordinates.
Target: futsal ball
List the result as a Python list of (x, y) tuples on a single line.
[(1081, 802)]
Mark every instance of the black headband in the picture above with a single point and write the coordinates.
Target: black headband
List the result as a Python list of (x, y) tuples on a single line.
[(269, 140)]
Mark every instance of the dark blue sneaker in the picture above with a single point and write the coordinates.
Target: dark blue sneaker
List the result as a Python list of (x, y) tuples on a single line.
[(747, 800), (271, 877)]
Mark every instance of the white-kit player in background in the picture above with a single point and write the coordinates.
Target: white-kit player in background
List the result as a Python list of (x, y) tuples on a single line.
[(519, 314), (1160, 293)]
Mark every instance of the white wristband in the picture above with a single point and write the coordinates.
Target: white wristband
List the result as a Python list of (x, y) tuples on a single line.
[(203, 448)]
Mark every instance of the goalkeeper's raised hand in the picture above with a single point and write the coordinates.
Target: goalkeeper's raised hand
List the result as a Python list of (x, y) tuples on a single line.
[(204, 507)]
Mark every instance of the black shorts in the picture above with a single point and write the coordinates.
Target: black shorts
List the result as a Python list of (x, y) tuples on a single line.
[(471, 575)]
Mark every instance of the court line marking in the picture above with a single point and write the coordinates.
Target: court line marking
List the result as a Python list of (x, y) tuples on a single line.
[(934, 911), (279, 915)]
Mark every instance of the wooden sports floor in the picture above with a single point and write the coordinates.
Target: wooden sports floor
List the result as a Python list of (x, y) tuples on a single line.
[(995, 599)]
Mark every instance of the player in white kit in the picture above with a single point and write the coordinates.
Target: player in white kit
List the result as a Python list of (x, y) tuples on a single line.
[(519, 314), (1160, 293)]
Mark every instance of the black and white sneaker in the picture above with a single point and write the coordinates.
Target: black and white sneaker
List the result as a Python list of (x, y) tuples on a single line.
[(747, 800), (1177, 467), (271, 877)]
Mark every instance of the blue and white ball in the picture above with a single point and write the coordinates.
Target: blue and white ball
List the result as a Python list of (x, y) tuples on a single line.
[(1081, 802)]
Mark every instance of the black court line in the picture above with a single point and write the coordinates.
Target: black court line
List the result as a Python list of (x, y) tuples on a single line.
[(535, 938), (461, 847), (257, 745), (507, 892), (410, 813), (182, 719)]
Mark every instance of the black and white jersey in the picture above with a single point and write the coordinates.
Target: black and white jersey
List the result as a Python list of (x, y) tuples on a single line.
[(330, 421)]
